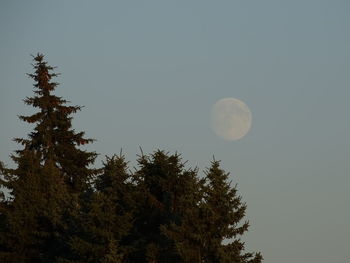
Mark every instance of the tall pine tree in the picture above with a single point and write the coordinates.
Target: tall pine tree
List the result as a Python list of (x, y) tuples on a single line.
[(53, 135), (51, 176)]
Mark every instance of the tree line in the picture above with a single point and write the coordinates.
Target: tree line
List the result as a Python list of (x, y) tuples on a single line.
[(57, 208)]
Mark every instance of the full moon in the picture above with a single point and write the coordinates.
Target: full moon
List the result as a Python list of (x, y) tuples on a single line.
[(231, 119)]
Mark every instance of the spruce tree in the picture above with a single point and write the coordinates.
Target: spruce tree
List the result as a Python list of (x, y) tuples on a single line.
[(108, 217), (53, 135), (34, 217), (52, 174), (210, 228), (222, 212), (161, 185), (185, 232)]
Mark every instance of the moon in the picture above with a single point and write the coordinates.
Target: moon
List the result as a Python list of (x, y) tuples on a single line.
[(231, 119)]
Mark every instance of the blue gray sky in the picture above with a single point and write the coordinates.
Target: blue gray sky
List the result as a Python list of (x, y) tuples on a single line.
[(148, 73)]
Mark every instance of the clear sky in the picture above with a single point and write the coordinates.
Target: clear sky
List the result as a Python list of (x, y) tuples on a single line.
[(148, 73)]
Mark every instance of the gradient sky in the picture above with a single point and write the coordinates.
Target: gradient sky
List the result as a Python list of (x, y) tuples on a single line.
[(148, 73)]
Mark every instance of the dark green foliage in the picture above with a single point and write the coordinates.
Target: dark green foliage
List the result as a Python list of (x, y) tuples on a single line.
[(209, 228), (223, 211), (60, 210), (53, 136), (51, 175), (35, 223), (162, 186), (107, 217)]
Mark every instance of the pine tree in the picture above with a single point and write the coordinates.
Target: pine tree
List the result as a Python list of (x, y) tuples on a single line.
[(209, 229), (108, 217), (34, 217), (52, 174), (222, 212), (53, 135), (161, 185), (186, 232)]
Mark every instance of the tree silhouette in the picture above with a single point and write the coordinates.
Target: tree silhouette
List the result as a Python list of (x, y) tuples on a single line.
[(59, 209), (160, 178), (52, 174), (53, 135), (222, 211), (209, 230)]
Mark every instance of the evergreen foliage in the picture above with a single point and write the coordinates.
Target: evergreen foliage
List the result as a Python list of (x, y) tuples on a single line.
[(222, 211), (53, 135), (58, 209), (108, 216), (166, 189), (51, 175), (34, 218)]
